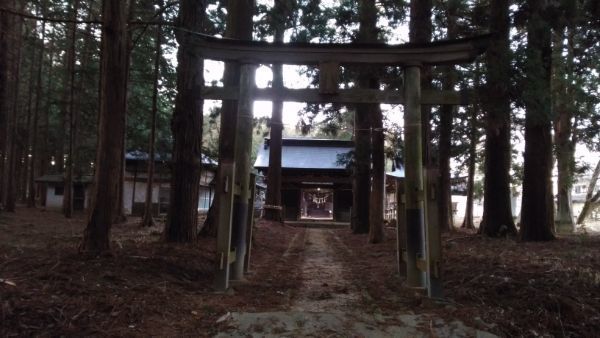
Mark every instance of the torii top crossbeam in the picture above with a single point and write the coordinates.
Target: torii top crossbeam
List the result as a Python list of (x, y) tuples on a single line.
[(434, 53)]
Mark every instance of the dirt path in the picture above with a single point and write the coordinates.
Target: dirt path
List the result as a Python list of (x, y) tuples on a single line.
[(326, 287), (331, 304)]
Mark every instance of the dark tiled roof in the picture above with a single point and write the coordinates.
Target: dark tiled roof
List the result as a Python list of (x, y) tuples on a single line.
[(307, 153), (58, 178), (138, 155)]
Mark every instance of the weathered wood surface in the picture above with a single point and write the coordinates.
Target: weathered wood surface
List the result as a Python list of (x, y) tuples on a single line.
[(414, 180), (433, 234), (250, 222), (224, 196), (355, 95), (243, 150), (434, 53), (400, 227), (329, 78)]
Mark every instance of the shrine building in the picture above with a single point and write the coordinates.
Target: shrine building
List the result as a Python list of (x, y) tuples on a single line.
[(316, 184)]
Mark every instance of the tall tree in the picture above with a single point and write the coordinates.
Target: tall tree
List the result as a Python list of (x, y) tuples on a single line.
[(119, 213), (4, 29), (537, 208), (280, 14), (69, 88), (361, 178), (474, 111), (26, 138), (186, 125), (497, 214), (367, 78), (11, 173), (44, 151), (447, 112), (239, 26), (563, 129), (565, 139), (111, 126), (147, 219), (38, 98)]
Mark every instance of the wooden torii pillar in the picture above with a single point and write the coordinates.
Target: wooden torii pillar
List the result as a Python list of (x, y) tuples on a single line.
[(419, 246)]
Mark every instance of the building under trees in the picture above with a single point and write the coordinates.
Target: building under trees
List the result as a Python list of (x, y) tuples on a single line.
[(391, 142)]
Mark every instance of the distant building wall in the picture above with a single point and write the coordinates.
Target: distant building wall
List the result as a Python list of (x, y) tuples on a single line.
[(160, 192), (140, 194), (55, 195)]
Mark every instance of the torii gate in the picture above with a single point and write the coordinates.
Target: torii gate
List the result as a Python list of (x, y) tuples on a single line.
[(419, 246)]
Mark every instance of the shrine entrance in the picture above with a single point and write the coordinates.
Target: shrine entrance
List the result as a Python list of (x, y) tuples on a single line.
[(317, 204), (419, 256)]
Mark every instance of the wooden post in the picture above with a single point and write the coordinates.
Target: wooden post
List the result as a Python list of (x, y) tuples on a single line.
[(414, 188), (401, 226), (433, 235), (135, 172), (329, 78), (250, 222), (243, 150), (224, 196)]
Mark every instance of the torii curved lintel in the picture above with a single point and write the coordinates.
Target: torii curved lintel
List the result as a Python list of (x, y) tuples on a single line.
[(433, 53)]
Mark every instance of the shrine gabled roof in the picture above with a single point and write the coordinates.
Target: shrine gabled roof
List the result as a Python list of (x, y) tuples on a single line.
[(307, 153)]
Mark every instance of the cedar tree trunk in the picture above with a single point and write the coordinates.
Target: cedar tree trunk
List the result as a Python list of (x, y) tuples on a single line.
[(468, 220), (239, 26), (182, 217), (147, 220), (563, 131), (537, 209), (44, 149), (368, 32), (36, 115), (111, 127), (497, 213), (273, 196), (4, 27), (70, 98), (447, 112), (11, 174)]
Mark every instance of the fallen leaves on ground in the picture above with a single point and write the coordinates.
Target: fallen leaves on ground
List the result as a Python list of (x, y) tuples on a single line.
[(143, 287)]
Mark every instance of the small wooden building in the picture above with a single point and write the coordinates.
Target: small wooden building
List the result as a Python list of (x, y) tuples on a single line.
[(134, 185), (136, 178), (315, 183), (54, 188), (394, 180)]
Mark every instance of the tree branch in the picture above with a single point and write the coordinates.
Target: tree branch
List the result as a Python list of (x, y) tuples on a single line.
[(157, 14), (41, 18), (93, 22)]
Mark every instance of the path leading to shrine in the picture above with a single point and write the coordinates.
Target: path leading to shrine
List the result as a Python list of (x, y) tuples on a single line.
[(326, 286), (332, 304), (304, 282)]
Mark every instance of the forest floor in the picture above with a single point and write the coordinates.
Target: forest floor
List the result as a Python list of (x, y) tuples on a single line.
[(303, 282)]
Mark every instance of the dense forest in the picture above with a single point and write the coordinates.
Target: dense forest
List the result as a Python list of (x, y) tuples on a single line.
[(537, 86), (84, 83)]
